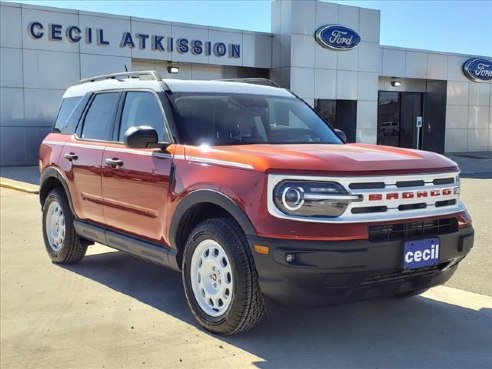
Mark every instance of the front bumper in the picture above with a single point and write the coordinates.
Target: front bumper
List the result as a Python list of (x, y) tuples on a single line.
[(338, 272)]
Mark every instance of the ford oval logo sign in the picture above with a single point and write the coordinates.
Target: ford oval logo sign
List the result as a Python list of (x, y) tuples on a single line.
[(478, 70), (337, 37)]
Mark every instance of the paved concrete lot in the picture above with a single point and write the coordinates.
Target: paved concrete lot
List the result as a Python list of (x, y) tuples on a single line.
[(475, 272), (26, 174), (115, 311), (474, 164)]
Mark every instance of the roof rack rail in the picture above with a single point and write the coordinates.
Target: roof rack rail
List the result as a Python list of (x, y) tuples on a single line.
[(151, 73), (254, 81)]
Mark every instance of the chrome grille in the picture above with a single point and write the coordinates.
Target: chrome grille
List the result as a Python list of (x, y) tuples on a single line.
[(385, 197), (404, 196)]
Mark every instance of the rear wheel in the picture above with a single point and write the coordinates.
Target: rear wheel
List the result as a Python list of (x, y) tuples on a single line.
[(61, 241), (220, 279)]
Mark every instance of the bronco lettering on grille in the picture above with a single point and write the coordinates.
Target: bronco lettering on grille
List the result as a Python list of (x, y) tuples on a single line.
[(410, 194)]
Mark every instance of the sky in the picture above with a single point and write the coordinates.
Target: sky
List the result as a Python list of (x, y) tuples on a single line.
[(452, 26)]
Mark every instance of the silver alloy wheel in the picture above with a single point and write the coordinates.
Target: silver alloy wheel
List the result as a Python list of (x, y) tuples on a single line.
[(55, 226), (211, 278)]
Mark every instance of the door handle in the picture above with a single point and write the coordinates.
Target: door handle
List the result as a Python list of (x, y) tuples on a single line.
[(71, 156), (114, 162)]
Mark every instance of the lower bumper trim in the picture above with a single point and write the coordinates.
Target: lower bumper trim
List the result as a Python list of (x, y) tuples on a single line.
[(321, 273)]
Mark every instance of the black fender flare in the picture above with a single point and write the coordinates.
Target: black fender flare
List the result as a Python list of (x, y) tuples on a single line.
[(213, 197), (52, 172)]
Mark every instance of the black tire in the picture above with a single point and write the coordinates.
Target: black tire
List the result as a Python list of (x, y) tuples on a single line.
[(409, 294), (72, 249), (246, 307)]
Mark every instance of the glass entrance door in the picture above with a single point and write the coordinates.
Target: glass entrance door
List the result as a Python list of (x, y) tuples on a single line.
[(434, 127), (410, 109), (389, 118), (397, 119)]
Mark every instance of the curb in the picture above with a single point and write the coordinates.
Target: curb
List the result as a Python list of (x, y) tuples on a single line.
[(18, 185)]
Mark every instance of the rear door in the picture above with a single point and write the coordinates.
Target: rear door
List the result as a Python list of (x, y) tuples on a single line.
[(135, 182), (82, 155)]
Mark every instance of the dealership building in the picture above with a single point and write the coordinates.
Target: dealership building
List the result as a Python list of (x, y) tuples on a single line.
[(328, 54)]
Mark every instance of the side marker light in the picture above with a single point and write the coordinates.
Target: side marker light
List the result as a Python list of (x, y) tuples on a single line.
[(259, 249)]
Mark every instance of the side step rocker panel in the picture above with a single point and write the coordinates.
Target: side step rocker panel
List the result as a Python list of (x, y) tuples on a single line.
[(142, 249)]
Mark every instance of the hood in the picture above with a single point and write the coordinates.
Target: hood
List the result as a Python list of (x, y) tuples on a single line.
[(332, 159)]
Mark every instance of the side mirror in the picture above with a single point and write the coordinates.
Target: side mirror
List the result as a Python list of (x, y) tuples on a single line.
[(341, 134), (142, 137)]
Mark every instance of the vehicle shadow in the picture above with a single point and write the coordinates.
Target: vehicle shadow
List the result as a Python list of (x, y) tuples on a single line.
[(412, 333)]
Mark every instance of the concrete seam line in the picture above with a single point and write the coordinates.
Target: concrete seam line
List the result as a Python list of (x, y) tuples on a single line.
[(19, 187)]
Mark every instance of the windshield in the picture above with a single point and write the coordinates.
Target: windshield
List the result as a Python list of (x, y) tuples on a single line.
[(234, 119)]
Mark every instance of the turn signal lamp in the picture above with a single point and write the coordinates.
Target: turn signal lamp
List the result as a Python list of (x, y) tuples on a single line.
[(259, 249)]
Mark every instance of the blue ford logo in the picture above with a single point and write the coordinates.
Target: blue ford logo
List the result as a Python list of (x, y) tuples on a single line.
[(478, 70), (337, 37)]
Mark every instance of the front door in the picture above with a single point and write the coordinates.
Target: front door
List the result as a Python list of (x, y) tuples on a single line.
[(135, 182)]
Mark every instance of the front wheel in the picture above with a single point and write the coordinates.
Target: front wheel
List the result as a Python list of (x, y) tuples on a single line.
[(220, 279)]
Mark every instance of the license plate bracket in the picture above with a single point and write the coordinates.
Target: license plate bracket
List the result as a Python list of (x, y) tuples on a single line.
[(420, 253)]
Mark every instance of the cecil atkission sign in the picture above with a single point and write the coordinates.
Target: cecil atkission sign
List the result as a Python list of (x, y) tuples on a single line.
[(478, 70), (74, 34), (337, 37)]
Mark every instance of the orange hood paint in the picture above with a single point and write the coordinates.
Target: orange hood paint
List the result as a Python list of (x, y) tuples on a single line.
[(348, 159)]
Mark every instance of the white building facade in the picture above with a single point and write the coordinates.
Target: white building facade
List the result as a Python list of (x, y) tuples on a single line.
[(377, 94)]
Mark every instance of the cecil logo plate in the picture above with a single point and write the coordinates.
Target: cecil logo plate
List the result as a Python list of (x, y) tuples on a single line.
[(478, 70), (337, 37), (421, 253)]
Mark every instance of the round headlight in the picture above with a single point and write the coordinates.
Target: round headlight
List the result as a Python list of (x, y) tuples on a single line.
[(293, 198), (325, 199)]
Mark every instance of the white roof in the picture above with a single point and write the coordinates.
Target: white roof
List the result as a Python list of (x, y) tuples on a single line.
[(176, 85), (113, 84)]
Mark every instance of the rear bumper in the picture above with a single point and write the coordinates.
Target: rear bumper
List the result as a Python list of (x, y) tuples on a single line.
[(338, 272)]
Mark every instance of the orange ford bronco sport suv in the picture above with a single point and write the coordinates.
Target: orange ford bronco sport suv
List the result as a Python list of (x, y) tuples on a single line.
[(248, 192)]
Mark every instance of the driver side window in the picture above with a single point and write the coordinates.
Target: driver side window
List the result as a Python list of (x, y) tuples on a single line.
[(282, 115), (287, 124), (142, 109)]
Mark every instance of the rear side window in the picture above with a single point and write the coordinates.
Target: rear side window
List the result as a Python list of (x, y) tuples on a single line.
[(64, 114), (98, 122), (142, 109)]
